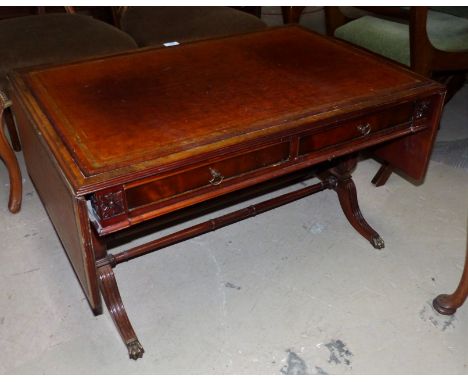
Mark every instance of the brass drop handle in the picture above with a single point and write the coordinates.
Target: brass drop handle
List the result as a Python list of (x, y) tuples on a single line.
[(364, 129), (217, 178)]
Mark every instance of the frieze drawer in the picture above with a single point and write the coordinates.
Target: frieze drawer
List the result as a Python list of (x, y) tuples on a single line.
[(210, 175), (358, 128)]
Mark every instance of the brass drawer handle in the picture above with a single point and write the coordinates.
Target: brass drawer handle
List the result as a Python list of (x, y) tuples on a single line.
[(364, 129), (217, 178)]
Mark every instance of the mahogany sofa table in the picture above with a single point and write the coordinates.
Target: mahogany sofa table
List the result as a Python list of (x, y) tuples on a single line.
[(115, 143)]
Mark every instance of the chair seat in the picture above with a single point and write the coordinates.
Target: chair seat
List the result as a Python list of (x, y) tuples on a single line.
[(157, 25), (455, 11), (391, 39), (56, 38)]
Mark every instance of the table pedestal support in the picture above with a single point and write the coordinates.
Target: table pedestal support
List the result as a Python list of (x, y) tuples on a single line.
[(337, 178), (347, 195)]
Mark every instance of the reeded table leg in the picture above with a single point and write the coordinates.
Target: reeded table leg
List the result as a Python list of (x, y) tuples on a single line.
[(8, 156), (347, 196), (111, 294), (449, 303)]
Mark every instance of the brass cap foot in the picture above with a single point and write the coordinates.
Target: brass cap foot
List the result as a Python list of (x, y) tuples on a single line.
[(377, 242), (135, 350)]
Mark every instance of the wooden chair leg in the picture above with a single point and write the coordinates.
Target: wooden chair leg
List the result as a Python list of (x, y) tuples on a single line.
[(381, 177), (8, 156), (111, 294), (10, 123), (448, 304), (291, 15), (347, 195)]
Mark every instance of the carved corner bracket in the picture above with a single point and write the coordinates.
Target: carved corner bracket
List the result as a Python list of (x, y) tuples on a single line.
[(109, 204)]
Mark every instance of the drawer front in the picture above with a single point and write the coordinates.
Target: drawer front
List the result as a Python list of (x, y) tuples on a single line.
[(210, 175), (356, 128), (120, 206)]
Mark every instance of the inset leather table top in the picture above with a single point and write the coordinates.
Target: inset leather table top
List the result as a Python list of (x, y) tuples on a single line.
[(149, 108)]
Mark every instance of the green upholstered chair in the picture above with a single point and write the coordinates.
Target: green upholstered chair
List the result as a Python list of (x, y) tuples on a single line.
[(443, 35), (152, 26), (43, 39), (455, 11), (432, 42)]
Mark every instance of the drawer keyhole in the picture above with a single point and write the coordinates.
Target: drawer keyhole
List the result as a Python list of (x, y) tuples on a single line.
[(364, 129), (217, 178)]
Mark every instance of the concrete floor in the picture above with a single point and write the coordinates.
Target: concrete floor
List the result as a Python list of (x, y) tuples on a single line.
[(295, 290)]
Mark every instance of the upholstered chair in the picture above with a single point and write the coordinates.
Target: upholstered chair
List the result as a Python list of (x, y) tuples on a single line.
[(153, 26), (440, 38), (432, 42), (44, 39)]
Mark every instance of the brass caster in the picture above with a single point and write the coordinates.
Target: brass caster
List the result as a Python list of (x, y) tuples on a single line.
[(135, 350), (377, 242)]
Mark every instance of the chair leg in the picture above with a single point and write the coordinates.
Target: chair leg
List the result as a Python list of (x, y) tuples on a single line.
[(291, 15), (381, 177), (448, 304), (8, 156), (10, 123)]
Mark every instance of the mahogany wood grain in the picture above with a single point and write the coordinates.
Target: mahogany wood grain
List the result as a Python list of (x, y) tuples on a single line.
[(357, 128), (116, 142), (347, 195), (67, 212), (262, 83), (179, 183), (413, 153), (113, 300), (111, 294), (216, 223), (212, 205)]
